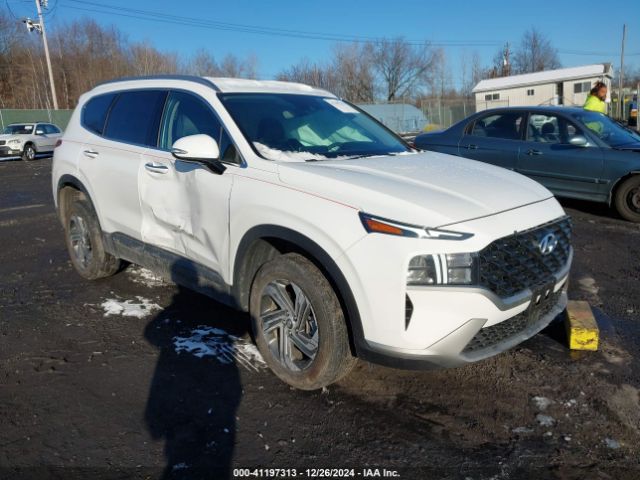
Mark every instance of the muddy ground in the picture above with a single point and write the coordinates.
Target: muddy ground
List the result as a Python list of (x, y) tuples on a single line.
[(131, 377)]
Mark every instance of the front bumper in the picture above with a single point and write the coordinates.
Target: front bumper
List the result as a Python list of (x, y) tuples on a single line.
[(475, 340), (10, 151), (444, 320)]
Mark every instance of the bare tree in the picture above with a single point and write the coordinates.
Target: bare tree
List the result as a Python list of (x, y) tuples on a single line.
[(146, 60), (403, 68), (201, 63), (232, 66), (502, 63), (353, 66), (535, 53), (312, 74)]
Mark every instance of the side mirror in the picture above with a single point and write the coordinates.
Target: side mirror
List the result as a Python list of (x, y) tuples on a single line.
[(39, 132), (578, 141), (201, 149)]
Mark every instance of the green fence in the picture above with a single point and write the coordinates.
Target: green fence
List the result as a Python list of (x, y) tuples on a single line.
[(57, 117)]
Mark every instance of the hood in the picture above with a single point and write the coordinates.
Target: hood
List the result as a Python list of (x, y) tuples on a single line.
[(9, 136), (429, 189)]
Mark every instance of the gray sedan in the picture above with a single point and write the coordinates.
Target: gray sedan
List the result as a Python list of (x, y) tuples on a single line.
[(573, 152)]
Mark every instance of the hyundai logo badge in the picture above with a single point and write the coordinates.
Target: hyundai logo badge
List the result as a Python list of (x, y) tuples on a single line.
[(548, 244)]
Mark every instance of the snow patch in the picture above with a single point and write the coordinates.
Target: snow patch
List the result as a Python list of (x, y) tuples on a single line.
[(145, 277), (522, 430), (225, 348), (611, 443), (541, 403), (288, 156), (129, 308), (545, 420)]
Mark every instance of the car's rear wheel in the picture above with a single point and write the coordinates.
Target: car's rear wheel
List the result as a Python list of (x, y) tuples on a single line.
[(298, 323), (85, 244), (29, 152), (627, 199)]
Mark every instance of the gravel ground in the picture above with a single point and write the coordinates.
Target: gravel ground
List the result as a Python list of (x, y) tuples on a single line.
[(132, 377)]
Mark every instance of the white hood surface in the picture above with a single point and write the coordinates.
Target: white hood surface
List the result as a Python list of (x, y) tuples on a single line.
[(427, 189)]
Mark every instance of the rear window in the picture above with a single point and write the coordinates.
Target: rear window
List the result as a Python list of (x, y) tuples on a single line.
[(95, 112), (135, 117), (500, 125)]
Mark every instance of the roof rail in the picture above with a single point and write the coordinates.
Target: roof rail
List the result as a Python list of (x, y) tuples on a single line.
[(189, 78)]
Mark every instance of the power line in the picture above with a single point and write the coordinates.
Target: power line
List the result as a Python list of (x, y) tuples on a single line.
[(253, 29), (594, 54)]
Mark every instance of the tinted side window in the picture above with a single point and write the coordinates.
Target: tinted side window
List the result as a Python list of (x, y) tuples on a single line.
[(501, 125), (94, 112), (186, 115), (135, 117), (50, 129), (550, 129)]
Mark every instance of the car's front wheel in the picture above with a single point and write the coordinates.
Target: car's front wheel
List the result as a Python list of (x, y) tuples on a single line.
[(627, 199), (29, 152), (298, 323), (85, 245)]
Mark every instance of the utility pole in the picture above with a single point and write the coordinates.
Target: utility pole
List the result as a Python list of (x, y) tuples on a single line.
[(506, 63), (39, 4), (620, 82)]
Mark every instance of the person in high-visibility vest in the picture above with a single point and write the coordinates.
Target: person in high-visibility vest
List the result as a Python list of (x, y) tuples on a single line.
[(595, 100)]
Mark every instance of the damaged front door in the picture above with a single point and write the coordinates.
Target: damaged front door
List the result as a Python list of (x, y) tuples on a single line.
[(185, 207)]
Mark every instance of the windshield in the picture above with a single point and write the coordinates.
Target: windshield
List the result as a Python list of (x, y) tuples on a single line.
[(18, 129), (606, 129), (295, 127)]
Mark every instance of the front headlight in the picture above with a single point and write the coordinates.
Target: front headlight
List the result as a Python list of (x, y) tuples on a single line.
[(443, 269), (390, 227), (14, 141)]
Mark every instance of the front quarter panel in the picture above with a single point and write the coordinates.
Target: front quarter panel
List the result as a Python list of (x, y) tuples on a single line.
[(258, 199), (618, 164)]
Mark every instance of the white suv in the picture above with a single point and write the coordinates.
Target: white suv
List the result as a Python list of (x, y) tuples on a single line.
[(27, 140), (339, 239)]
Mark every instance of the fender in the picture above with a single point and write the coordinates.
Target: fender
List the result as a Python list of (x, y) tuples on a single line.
[(618, 182), (68, 180), (322, 260)]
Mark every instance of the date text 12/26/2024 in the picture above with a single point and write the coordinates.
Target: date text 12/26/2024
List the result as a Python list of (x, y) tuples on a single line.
[(314, 473)]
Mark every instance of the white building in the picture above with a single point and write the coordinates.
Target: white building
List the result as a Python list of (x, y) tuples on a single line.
[(565, 86)]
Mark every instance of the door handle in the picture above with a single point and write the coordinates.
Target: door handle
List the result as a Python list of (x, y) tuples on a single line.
[(534, 152), (91, 153), (472, 147), (156, 168)]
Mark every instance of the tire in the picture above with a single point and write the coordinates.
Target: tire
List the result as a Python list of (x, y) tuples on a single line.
[(309, 350), (627, 199), (29, 152), (83, 237)]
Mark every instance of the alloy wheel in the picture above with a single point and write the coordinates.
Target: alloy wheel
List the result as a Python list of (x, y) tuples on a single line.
[(80, 240), (289, 324), (30, 153)]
